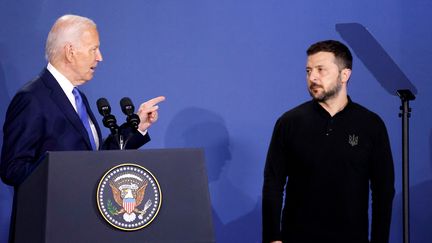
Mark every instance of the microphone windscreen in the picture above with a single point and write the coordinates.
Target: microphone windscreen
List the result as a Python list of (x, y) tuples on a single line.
[(103, 106), (127, 106)]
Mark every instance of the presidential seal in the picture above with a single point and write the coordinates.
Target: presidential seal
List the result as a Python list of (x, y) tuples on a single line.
[(129, 197)]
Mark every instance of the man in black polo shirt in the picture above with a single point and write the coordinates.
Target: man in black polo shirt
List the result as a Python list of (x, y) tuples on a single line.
[(327, 153)]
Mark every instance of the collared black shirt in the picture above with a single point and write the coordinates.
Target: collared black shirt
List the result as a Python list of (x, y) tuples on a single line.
[(327, 165)]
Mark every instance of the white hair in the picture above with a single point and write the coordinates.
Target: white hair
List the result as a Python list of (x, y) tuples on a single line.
[(66, 29)]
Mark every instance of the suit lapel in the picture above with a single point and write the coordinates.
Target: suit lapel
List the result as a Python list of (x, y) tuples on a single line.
[(60, 99)]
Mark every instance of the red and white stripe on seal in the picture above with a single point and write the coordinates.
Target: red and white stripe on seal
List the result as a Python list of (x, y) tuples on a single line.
[(129, 204)]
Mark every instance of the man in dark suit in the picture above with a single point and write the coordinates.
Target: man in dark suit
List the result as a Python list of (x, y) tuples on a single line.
[(51, 114)]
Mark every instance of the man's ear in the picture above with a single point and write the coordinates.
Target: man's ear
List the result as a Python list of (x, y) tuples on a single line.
[(69, 52), (345, 75)]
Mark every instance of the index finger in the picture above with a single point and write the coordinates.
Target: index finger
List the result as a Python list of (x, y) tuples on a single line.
[(155, 101)]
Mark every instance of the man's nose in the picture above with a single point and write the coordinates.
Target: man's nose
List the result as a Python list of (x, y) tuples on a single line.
[(312, 76), (99, 57)]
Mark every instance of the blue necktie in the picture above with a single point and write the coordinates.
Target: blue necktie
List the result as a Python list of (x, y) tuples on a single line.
[(82, 113)]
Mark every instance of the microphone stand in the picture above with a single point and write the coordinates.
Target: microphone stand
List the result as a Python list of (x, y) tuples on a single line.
[(115, 133), (127, 126), (119, 139), (405, 95), (109, 121)]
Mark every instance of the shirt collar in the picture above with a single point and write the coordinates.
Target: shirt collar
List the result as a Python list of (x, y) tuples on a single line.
[(323, 111), (64, 83)]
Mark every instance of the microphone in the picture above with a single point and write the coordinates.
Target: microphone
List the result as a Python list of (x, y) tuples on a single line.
[(109, 120), (128, 109)]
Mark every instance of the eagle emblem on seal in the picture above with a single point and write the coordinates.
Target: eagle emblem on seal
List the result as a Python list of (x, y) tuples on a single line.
[(128, 192), (129, 197)]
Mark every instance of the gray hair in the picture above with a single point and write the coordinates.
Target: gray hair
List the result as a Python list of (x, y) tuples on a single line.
[(67, 29)]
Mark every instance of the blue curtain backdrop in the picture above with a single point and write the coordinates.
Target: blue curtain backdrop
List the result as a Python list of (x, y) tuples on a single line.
[(228, 70)]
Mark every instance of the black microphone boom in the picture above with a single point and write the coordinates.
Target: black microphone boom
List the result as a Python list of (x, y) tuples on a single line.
[(128, 109)]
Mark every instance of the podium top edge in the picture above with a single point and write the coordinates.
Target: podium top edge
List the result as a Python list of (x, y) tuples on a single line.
[(159, 150)]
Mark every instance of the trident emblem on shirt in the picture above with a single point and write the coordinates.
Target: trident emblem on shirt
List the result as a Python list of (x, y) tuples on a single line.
[(353, 140)]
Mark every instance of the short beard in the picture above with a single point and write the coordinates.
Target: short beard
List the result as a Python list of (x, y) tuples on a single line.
[(326, 95)]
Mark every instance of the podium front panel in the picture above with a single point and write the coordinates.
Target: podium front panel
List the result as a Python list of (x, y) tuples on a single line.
[(72, 214)]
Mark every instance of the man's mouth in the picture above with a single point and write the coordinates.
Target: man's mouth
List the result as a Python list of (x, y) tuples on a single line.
[(315, 86)]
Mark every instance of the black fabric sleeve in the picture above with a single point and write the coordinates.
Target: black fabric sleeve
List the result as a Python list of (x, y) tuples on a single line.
[(382, 186), (132, 139), (22, 132), (274, 182)]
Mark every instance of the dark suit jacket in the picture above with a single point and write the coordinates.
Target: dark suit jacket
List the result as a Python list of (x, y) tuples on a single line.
[(40, 118)]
